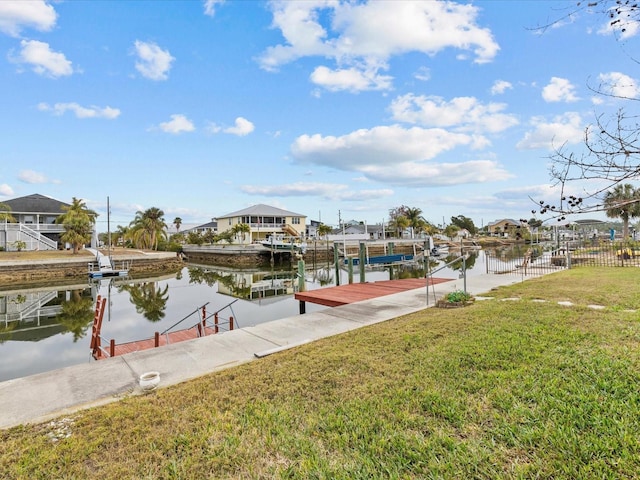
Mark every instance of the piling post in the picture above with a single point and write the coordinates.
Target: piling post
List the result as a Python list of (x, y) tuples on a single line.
[(301, 282), (215, 323), (336, 261), (362, 260), (156, 339), (112, 348), (302, 307), (350, 270), (390, 248), (230, 323)]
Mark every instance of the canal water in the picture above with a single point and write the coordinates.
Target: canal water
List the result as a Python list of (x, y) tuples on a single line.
[(42, 329)]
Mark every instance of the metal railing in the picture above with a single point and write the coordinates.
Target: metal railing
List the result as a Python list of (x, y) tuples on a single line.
[(204, 321), (463, 274)]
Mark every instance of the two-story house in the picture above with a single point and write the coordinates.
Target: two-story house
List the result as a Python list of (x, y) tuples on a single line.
[(35, 224), (264, 220)]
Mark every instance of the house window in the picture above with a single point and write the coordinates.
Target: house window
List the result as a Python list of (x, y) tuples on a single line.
[(295, 220), (27, 219)]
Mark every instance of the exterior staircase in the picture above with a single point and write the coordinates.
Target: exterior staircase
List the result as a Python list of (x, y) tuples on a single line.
[(34, 239)]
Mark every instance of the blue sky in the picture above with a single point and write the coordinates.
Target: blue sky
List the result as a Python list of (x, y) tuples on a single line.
[(321, 107)]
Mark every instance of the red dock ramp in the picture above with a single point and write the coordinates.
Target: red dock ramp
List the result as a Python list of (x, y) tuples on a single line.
[(356, 292)]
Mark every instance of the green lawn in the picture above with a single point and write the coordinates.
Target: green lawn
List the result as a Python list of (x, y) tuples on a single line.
[(499, 389)]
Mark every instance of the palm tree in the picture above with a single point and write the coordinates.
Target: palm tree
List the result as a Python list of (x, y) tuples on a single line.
[(399, 224), (416, 220), (177, 222), (78, 223), (324, 230), (241, 228), (148, 227), (623, 202), (5, 214)]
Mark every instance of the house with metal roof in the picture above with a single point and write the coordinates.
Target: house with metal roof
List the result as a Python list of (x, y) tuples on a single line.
[(35, 225), (264, 220)]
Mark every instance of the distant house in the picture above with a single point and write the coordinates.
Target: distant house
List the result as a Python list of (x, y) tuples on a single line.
[(503, 227), (264, 220), (358, 231), (211, 226), (36, 223)]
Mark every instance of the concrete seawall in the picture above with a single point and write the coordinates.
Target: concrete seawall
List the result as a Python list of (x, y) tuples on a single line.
[(35, 272)]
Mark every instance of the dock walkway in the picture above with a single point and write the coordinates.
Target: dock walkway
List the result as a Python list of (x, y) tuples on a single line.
[(357, 292)]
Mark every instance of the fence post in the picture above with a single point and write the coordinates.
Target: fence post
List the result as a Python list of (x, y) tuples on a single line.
[(112, 348), (156, 339), (230, 323), (215, 323)]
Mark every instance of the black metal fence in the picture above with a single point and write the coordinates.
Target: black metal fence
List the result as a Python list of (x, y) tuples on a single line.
[(539, 259)]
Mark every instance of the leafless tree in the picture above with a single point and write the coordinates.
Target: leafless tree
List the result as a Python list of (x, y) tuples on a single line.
[(610, 153)]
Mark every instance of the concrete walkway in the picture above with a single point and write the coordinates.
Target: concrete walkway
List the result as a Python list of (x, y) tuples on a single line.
[(41, 397)]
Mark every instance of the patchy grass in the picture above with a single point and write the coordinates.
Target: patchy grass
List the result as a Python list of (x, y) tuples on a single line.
[(499, 389)]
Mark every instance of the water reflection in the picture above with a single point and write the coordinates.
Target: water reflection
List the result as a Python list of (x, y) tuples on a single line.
[(77, 314), (149, 298)]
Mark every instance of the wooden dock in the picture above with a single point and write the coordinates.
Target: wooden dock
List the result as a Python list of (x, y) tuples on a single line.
[(356, 292), (208, 325)]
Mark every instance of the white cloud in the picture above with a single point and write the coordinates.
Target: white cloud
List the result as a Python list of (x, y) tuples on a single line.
[(210, 6), (6, 190), (414, 174), (153, 62), (178, 124), (350, 79), (559, 90), (364, 36), (566, 128), (16, 15), (43, 60), (33, 177), (379, 145), (423, 74), (501, 86), (397, 155), (242, 127), (619, 85), (80, 111), (462, 113), (328, 191)]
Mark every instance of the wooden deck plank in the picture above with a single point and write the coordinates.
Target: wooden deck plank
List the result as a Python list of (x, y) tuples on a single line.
[(356, 292)]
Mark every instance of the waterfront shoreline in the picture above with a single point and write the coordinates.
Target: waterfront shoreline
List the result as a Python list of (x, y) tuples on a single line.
[(41, 268)]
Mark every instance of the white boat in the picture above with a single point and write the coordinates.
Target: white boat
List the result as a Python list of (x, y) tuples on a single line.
[(437, 250), (279, 243), (105, 267)]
